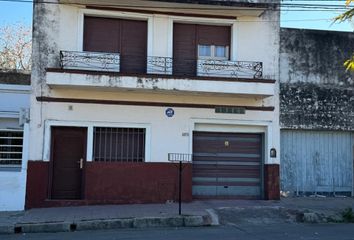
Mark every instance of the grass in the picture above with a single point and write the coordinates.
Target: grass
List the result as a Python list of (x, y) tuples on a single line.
[(348, 215)]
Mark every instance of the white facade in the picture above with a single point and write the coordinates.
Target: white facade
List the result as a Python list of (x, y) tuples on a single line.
[(66, 33), (74, 97), (13, 98)]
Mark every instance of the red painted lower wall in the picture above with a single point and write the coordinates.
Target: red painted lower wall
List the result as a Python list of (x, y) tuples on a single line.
[(136, 182), (37, 183), (119, 183), (114, 183), (271, 182)]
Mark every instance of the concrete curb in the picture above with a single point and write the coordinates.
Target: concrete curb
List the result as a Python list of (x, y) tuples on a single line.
[(100, 224), (6, 229), (43, 227), (275, 214), (104, 224)]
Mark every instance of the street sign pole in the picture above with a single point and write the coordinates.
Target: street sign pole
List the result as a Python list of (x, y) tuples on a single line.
[(180, 189)]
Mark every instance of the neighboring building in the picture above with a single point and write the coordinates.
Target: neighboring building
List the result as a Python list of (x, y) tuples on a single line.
[(316, 112), (122, 86), (14, 105)]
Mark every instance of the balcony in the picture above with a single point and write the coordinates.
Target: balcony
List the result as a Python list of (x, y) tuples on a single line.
[(159, 65), (230, 69), (102, 70), (93, 61), (110, 62)]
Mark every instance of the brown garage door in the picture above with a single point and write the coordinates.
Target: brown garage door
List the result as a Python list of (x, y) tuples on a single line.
[(227, 165)]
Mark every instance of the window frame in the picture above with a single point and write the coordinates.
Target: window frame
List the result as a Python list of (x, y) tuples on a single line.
[(125, 134), (18, 161), (212, 52)]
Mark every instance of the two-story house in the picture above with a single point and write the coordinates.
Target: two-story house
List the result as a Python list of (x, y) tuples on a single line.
[(122, 88)]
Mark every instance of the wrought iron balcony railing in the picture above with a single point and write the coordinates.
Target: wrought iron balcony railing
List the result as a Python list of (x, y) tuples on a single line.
[(159, 65), (231, 69), (162, 65), (95, 61)]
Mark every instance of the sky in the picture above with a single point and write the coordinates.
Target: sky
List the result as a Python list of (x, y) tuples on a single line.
[(13, 12)]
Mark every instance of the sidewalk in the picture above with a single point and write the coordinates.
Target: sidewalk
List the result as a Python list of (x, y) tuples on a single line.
[(197, 213)]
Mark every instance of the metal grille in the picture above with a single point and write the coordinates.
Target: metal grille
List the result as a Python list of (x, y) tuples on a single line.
[(233, 69), (11, 147), (90, 61), (119, 144), (180, 157), (233, 110), (159, 65)]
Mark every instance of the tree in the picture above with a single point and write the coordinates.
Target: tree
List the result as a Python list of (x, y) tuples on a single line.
[(15, 47), (347, 16)]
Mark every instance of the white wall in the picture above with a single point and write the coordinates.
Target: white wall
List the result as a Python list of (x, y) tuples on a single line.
[(253, 38), (12, 99), (13, 180), (12, 190), (165, 135)]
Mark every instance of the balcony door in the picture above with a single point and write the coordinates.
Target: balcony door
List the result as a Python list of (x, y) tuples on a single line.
[(187, 38), (126, 37)]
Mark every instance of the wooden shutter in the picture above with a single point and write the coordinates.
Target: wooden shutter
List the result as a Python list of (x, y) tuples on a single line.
[(127, 37), (134, 46), (101, 35), (214, 35), (184, 49)]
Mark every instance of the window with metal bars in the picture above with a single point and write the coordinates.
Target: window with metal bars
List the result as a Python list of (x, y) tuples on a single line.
[(118, 144), (11, 147)]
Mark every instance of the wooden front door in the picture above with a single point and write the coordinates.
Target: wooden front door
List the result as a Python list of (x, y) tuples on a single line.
[(68, 156)]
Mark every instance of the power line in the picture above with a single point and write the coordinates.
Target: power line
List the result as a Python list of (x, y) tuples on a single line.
[(292, 5), (124, 5), (283, 7)]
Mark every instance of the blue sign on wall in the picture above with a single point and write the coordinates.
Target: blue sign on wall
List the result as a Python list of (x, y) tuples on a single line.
[(170, 112)]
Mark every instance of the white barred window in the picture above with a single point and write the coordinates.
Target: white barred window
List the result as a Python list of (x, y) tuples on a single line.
[(11, 142)]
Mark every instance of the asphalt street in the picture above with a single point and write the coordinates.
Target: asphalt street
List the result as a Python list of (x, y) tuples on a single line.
[(251, 232)]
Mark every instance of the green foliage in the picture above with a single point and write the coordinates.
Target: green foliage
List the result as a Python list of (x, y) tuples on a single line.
[(349, 64), (348, 215), (346, 16)]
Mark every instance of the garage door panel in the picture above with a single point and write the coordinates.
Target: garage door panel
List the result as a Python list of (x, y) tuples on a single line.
[(231, 173), (241, 191), (231, 149), (230, 155), (223, 184), (214, 159), (230, 162), (204, 190), (226, 163), (206, 145)]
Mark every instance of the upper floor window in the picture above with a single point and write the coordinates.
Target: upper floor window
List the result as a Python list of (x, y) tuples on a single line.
[(123, 36), (195, 41), (213, 52)]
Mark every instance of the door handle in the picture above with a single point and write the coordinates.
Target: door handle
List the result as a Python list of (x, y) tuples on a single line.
[(81, 162)]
